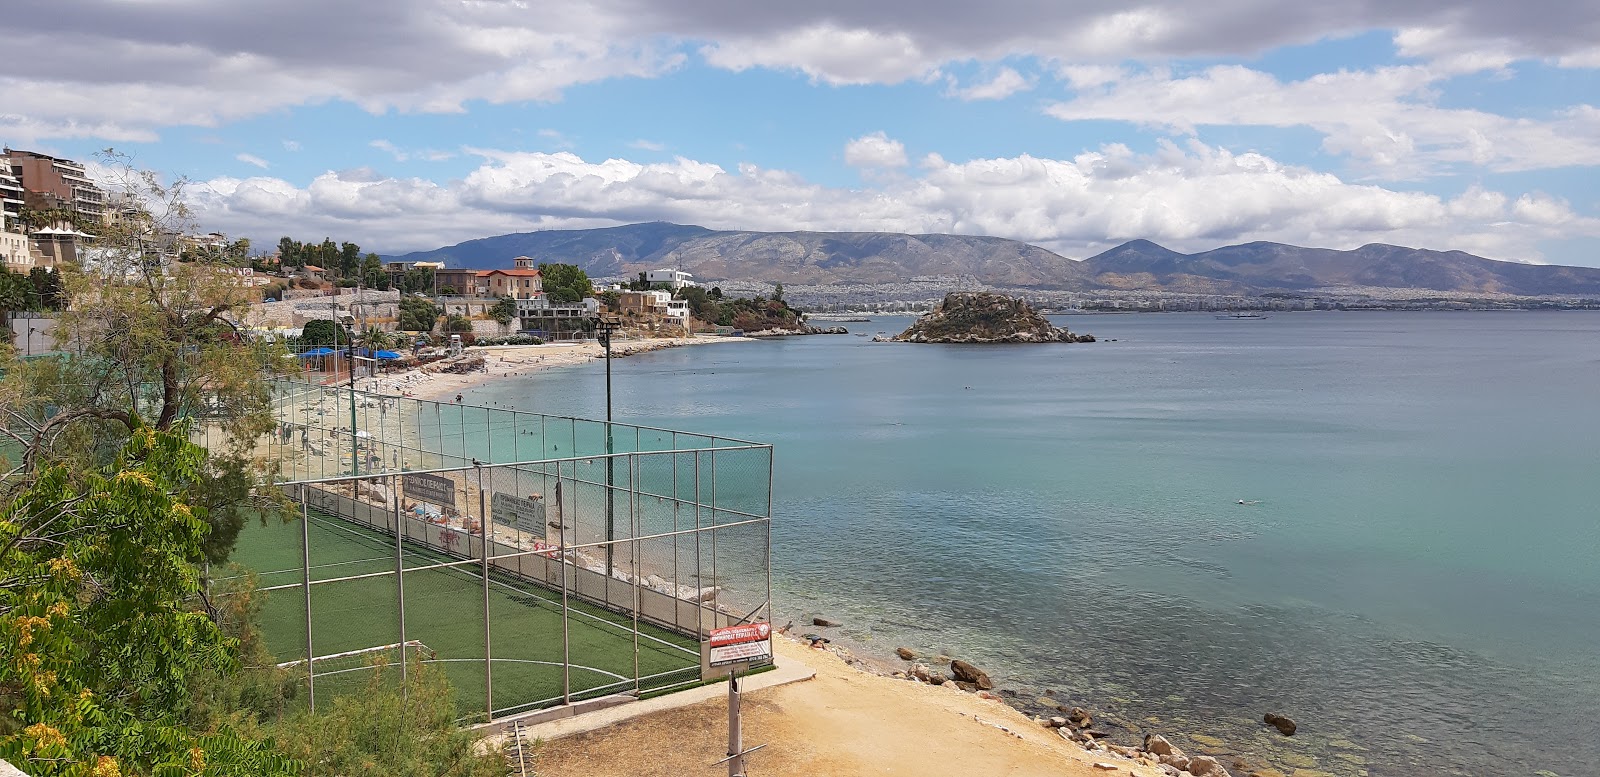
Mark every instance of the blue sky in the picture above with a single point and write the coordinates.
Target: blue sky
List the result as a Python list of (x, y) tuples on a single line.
[(410, 124)]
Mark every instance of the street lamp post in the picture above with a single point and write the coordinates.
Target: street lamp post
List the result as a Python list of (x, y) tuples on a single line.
[(604, 329)]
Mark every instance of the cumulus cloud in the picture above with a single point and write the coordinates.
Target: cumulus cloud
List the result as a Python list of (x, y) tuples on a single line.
[(876, 150), (1005, 83), (1383, 117), (252, 159), (1189, 196), (164, 64)]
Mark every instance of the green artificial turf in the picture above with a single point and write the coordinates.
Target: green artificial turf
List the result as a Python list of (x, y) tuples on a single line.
[(444, 609)]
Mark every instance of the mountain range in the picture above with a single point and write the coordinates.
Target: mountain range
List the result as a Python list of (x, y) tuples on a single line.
[(885, 257)]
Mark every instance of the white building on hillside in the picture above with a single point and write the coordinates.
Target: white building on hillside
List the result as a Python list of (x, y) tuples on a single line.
[(676, 279)]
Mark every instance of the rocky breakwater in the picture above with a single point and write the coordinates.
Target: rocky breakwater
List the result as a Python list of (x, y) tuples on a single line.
[(802, 330), (984, 317)]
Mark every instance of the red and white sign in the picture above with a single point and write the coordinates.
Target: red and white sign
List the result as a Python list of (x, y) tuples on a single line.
[(739, 644)]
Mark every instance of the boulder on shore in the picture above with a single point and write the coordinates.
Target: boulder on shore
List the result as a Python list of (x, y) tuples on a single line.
[(1284, 725), (965, 672), (984, 317), (824, 622), (905, 654)]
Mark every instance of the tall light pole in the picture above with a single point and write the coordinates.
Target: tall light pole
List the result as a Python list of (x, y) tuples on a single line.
[(604, 328), (355, 441)]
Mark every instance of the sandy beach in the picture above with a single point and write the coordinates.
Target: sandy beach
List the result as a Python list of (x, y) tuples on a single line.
[(433, 382), (842, 722)]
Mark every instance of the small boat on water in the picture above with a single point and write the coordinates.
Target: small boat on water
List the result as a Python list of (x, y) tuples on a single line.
[(1241, 316)]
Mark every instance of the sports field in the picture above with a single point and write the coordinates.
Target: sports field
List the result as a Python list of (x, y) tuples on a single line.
[(444, 610)]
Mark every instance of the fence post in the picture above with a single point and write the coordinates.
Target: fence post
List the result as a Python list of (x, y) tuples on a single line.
[(400, 580), (305, 579), (483, 542)]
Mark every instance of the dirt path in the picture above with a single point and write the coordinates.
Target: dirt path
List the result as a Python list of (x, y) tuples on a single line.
[(844, 722)]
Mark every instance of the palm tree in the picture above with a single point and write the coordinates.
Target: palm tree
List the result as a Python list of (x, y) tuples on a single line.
[(376, 339)]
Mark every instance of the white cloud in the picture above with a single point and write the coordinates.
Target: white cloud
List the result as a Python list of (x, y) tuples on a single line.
[(647, 145), (1384, 118), (1190, 197), (828, 53), (1005, 83), (390, 149), (876, 150), (158, 65), (252, 159)]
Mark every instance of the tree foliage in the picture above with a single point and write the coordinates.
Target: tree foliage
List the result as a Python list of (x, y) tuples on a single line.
[(503, 310), (100, 619), (565, 282), (417, 314), (145, 336), (751, 315), (381, 732), (324, 332)]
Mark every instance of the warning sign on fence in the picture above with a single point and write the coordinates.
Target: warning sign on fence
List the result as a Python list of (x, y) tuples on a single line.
[(741, 644), (432, 489), (524, 513)]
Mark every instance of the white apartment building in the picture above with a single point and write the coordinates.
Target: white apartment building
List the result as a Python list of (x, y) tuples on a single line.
[(675, 279)]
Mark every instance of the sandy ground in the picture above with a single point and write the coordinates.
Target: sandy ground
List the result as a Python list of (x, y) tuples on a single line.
[(844, 722), (511, 360)]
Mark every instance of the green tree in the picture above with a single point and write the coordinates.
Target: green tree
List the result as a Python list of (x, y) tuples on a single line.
[(147, 337), (47, 285), (382, 733), (376, 339), (777, 292), (417, 314), (458, 324), (322, 332), (99, 615), (504, 310), (565, 282)]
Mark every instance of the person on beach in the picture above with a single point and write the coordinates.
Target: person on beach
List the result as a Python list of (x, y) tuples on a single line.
[(458, 399)]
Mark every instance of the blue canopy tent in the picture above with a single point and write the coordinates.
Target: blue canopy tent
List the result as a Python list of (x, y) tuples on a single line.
[(323, 351)]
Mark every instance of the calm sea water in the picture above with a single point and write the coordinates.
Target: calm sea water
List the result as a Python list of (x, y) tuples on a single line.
[(1416, 579)]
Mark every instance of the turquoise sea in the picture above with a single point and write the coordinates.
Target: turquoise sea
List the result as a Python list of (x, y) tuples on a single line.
[(1415, 580)]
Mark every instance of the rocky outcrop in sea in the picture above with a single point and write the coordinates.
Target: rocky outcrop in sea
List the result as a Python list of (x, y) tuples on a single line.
[(984, 317)]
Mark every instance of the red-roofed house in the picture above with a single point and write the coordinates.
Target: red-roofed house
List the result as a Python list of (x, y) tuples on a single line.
[(520, 282)]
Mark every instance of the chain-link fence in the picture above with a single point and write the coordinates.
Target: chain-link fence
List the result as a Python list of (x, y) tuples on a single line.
[(565, 574)]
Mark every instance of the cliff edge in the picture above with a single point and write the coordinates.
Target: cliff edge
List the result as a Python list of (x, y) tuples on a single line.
[(982, 317)]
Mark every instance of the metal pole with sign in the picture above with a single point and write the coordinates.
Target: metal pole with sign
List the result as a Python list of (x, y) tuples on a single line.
[(729, 651)]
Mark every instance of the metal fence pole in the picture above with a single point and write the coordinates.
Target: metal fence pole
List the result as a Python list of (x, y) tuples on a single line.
[(483, 543), (400, 580), (699, 568), (771, 454), (634, 520), (566, 637), (305, 578)]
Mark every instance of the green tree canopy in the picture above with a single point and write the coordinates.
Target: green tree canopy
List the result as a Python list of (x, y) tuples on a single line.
[(504, 310), (99, 614), (417, 314), (324, 331), (565, 282)]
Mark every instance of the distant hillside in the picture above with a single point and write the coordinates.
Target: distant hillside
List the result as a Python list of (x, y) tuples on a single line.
[(784, 257), (1141, 264), (883, 257)]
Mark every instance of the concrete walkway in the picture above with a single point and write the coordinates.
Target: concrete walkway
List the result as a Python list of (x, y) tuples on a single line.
[(787, 672)]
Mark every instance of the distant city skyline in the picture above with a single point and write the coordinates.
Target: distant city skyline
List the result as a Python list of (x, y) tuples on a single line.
[(412, 124)]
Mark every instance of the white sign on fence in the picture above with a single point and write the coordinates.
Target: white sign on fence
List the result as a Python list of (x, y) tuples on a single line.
[(735, 648), (524, 513)]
